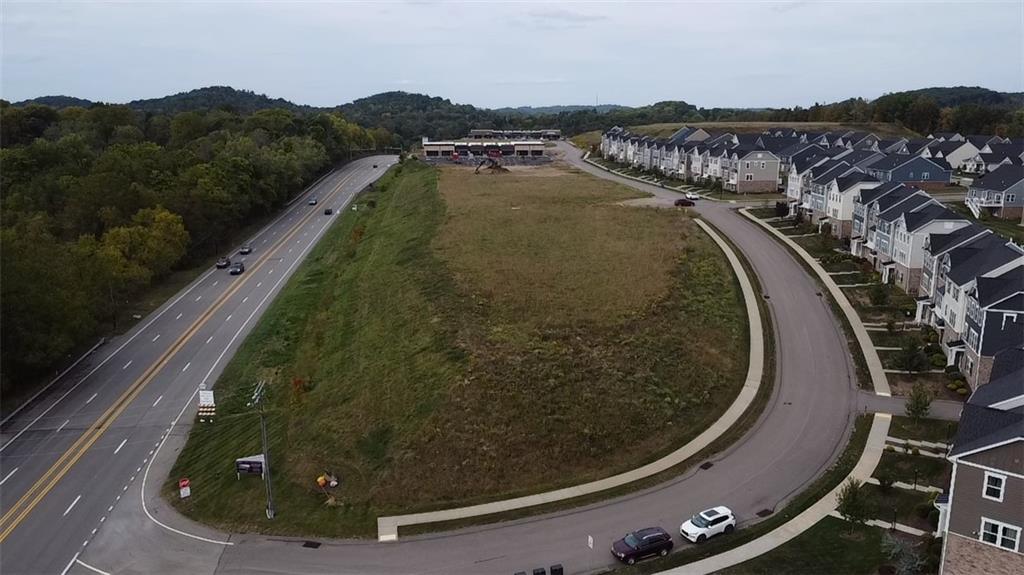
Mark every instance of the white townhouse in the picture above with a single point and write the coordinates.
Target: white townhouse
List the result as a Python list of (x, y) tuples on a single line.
[(955, 152), (935, 246), (909, 234), (840, 196)]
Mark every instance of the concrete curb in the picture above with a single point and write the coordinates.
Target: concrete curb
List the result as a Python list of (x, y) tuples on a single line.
[(387, 527), (802, 522), (875, 369)]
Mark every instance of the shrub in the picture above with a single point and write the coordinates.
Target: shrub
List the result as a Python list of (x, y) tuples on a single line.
[(938, 360), (963, 391), (919, 402), (952, 386), (885, 481)]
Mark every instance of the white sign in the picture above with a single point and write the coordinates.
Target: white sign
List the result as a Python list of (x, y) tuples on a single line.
[(185, 491), (206, 397), (590, 541)]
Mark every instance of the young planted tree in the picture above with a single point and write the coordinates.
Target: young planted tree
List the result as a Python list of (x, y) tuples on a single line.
[(919, 402), (853, 503)]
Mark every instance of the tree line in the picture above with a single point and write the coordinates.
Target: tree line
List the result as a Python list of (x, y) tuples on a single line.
[(98, 204)]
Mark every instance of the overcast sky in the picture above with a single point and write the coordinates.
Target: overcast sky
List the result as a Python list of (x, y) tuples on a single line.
[(743, 54)]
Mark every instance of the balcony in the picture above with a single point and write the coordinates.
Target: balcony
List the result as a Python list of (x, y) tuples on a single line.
[(975, 204)]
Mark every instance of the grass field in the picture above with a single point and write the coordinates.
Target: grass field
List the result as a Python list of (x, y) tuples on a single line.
[(1009, 229), (934, 430), (471, 337), (832, 547)]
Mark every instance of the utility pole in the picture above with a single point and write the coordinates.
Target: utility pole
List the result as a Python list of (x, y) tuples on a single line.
[(257, 400)]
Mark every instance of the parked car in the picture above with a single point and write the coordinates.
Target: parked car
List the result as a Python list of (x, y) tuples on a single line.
[(223, 263), (328, 211), (237, 268), (312, 201), (684, 202), (708, 523), (245, 250), (645, 542), (692, 196), (375, 165)]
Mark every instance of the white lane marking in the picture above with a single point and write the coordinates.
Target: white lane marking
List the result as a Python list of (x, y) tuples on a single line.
[(62, 426), (258, 284), (157, 337), (4, 480), (123, 441), (102, 519), (229, 318), (94, 531), (72, 506), (90, 567), (218, 281), (106, 359), (289, 250), (160, 444), (245, 299), (109, 509), (70, 563), (157, 400), (209, 339), (127, 364), (186, 366), (199, 298), (270, 272), (264, 241), (88, 401), (178, 317)]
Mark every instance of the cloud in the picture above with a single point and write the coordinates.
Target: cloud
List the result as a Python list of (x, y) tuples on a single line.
[(561, 18)]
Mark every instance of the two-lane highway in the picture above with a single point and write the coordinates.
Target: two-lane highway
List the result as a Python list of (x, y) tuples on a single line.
[(68, 459)]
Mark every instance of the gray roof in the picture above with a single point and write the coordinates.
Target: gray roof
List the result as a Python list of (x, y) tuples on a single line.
[(1001, 178), (1006, 362), (861, 158), (996, 289), (982, 426), (898, 208), (872, 194), (848, 181), (939, 242), (1013, 149), (836, 171), (945, 147), (917, 219), (980, 257)]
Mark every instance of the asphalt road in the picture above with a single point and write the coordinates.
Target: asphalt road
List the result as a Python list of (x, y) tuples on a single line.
[(69, 458), (801, 432)]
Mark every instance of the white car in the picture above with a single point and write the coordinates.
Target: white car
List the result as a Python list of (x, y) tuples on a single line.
[(692, 196), (707, 524)]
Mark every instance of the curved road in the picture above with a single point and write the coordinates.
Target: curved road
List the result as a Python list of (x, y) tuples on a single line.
[(801, 431)]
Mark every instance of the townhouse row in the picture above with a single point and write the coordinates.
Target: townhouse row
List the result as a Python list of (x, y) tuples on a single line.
[(801, 164)]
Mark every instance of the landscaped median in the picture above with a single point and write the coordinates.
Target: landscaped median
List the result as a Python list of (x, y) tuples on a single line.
[(461, 338)]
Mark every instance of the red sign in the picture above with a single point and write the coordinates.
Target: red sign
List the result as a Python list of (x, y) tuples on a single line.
[(183, 483), (183, 488)]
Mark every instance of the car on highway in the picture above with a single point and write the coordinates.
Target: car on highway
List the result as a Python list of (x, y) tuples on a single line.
[(692, 196), (684, 202), (245, 250), (236, 269), (708, 523), (642, 543), (223, 263), (312, 201), (328, 211)]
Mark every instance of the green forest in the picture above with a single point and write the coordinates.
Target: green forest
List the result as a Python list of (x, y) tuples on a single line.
[(98, 204)]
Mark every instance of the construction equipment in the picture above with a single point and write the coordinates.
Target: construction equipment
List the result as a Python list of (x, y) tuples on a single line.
[(492, 165)]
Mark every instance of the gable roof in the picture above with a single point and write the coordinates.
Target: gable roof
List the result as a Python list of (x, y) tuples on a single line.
[(861, 158), (849, 180), (990, 290), (872, 194), (980, 257), (837, 170), (899, 207), (1001, 178), (939, 243), (919, 218)]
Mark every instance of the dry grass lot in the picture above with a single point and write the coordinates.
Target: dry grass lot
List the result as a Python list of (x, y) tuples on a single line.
[(473, 337)]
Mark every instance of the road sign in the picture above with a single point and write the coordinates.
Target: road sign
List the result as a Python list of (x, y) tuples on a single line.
[(184, 488), (207, 405), (252, 465)]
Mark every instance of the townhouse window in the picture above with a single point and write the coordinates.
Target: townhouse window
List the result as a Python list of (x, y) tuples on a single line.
[(1010, 198), (747, 165), (1000, 534), (924, 175), (762, 165), (748, 177)]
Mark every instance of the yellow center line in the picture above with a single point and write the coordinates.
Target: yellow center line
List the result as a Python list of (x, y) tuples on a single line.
[(48, 480)]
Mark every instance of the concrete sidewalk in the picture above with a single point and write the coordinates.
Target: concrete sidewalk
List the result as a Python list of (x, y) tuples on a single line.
[(387, 527), (875, 369), (807, 519)]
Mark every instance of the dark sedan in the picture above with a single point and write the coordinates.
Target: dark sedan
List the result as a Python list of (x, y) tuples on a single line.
[(223, 263), (684, 202), (236, 269), (642, 543)]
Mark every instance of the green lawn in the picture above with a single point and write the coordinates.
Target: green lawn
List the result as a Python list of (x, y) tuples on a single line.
[(833, 546), (1010, 229), (933, 430), (818, 246), (485, 337), (905, 467), (903, 504)]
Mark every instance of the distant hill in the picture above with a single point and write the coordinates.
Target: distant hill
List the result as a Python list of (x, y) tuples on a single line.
[(961, 95), (552, 110), (57, 102), (209, 98)]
